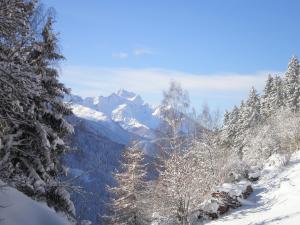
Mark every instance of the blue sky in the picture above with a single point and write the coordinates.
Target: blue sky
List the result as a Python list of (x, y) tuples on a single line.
[(111, 44)]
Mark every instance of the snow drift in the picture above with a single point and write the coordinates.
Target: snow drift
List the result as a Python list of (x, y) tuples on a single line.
[(18, 209)]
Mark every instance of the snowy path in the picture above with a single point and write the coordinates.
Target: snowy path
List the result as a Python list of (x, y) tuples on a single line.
[(275, 200)]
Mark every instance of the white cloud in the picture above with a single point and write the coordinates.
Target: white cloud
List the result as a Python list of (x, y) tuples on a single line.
[(137, 52), (149, 83), (142, 51), (120, 55)]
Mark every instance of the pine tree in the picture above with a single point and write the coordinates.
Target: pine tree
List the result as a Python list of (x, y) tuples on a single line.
[(267, 97), (250, 116), (50, 113), (229, 129), (272, 99), (252, 109), (127, 203), (226, 117), (238, 129), (292, 84), (32, 112), (279, 93)]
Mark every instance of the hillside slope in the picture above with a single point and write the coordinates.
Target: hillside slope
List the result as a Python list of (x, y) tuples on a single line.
[(275, 199), (97, 156), (18, 209)]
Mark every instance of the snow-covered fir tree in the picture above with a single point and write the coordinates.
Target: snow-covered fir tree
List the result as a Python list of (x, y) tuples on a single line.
[(251, 110), (272, 99), (279, 93), (267, 98), (229, 130), (32, 111), (254, 114), (292, 84)]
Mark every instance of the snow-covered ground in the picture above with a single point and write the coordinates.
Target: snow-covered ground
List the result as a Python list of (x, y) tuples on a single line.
[(18, 209), (275, 200)]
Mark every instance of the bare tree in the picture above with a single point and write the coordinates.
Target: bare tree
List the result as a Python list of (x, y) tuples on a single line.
[(172, 133), (183, 185), (127, 204), (188, 171), (209, 119)]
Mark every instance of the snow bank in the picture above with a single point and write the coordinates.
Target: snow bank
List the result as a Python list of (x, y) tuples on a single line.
[(18, 209), (276, 197), (235, 189), (275, 162)]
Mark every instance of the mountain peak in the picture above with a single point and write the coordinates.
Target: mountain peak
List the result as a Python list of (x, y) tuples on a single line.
[(125, 94)]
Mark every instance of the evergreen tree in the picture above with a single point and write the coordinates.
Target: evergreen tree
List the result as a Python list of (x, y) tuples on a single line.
[(273, 97), (239, 130), (230, 128), (249, 116), (226, 117), (292, 84), (127, 203), (279, 93), (252, 113), (32, 112), (267, 98)]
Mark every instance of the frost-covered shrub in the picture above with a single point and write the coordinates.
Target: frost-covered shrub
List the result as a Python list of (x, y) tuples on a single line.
[(188, 177), (276, 161), (280, 135), (288, 128), (234, 170)]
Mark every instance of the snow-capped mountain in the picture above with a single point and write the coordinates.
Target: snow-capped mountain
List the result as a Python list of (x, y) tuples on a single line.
[(101, 124), (123, 107)]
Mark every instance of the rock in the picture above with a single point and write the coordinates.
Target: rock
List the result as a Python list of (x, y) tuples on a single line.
[(226, 199), (223, 209), (253, 179), (224, 202), (247, 192), (212, 216), (254, 176), (207, 215)]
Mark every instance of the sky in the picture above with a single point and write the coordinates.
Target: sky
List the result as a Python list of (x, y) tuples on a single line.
[(216, 49)]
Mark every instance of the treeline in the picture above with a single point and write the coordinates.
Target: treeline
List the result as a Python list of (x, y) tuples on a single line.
[(194, 156), (32, 124), (267, 116)]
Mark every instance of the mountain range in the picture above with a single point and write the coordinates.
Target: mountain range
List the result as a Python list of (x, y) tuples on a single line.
[(121, 109)]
